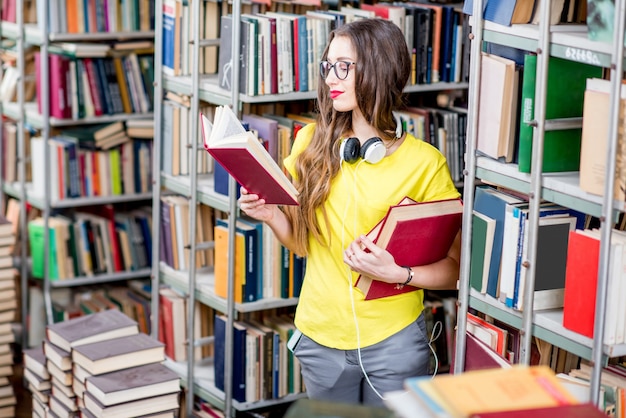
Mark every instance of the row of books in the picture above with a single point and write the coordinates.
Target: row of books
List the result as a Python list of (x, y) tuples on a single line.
[(99, 365), (175, 234), (8, 313), (499, 247), (95, 86), (508, 93), (566, 265), (280, 51), (527, 11), (10, 170), (178, 32), (79, 168), (173, 320), (264, 268), (263, 367), (176, 129), (91, 243), (74, 16)]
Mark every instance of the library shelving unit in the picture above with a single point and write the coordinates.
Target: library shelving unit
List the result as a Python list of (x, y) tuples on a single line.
[(196, 284), (560, 188), (26, 114)]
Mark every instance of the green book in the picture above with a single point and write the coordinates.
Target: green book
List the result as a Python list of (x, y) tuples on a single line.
[(565, 91), (483, 229), (116, 171), (36, 241)]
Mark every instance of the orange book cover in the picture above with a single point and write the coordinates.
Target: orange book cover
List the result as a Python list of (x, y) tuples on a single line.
[(415, 234)]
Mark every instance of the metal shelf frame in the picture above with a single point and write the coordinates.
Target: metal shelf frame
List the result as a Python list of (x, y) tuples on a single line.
[(560, 188)]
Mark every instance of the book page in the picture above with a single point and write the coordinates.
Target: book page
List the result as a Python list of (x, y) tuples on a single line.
[(225, 124)]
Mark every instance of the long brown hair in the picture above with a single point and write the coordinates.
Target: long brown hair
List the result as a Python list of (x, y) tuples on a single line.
[(382, 71)]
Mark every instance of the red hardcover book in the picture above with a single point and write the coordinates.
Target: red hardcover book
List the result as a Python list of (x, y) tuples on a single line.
[(415, 234), (244, 157), (581, 278), (166, 320), (58, 67), (94, 88), (478, 356), (583, 410)]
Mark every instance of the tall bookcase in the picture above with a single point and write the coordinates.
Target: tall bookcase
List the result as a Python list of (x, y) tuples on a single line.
[(26, 114), (197, 376), (560, 188)]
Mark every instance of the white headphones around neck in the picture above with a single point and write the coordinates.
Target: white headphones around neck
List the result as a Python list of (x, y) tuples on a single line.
[(372, 151)]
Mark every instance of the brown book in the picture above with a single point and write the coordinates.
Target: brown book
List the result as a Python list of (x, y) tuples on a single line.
[(90, 328), (595, 140), (120, 387), (118, 353)]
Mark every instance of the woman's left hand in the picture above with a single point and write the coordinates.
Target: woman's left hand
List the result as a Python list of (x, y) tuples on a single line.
[(368, 259)]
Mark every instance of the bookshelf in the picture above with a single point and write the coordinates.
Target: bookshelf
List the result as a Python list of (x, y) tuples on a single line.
[(560, 188), (196, 284), (38, 120)]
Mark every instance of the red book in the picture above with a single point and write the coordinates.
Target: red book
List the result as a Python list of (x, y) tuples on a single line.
[(166, 322), (583, 410), (478, 356), (94, 88), (415, 234), (581, 279), (246, 160)]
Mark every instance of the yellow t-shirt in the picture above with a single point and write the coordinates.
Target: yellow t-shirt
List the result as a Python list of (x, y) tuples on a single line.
[(360, 196)]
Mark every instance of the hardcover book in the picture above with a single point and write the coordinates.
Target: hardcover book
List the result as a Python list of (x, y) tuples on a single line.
[(244, 157), (118, 353), (145, 381), (133, 408), (91, 328), (415, 233)]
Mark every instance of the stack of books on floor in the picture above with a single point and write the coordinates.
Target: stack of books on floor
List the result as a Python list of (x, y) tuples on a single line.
[(101, 365), (8, 309), (38, 379)]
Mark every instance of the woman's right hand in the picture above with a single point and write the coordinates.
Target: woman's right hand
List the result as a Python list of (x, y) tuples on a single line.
[(255, 207)]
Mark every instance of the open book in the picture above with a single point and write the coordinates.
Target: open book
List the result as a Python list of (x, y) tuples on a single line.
[(241, 154), (415, 234)]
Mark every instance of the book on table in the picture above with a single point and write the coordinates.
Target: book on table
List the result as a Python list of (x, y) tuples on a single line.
[(244, 157), (415, 234)]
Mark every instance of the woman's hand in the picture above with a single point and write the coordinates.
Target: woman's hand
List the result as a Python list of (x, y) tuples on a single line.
[(368, 259), (255, 207)]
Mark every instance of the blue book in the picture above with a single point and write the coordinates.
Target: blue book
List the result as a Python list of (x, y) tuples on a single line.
[(71, 174), (492, 203), (258, 252), (239, 356), (497, 11), (521, 214), (169, 36)]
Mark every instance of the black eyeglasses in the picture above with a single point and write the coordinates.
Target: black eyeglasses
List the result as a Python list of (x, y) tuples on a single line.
[(341, 68)]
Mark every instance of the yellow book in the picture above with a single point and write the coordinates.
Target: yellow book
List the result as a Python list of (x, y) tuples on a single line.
[(492, 390), (221, 263)]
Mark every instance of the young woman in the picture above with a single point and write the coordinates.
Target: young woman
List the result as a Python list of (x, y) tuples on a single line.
[(349, 167)]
